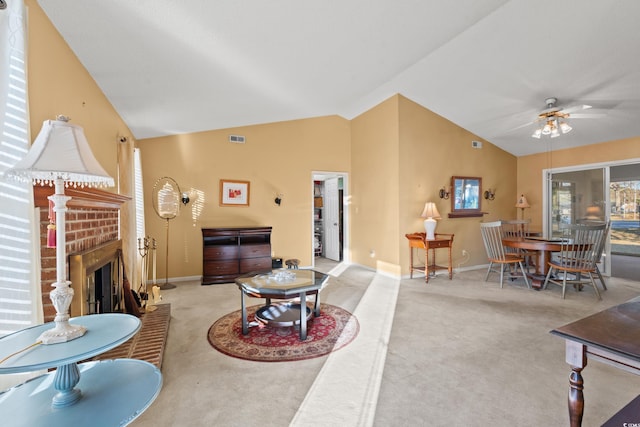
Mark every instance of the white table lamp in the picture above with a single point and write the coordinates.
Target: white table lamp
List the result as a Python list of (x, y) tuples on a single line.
[(60, 156), (431, 213)]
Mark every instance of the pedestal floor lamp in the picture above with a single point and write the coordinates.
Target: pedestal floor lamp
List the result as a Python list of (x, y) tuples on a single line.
[(165, 198)]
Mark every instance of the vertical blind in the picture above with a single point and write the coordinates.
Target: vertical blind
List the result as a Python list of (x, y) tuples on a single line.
[(20, 295)]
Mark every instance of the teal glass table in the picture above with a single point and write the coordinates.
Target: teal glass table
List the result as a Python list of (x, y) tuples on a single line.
[(106, 393)]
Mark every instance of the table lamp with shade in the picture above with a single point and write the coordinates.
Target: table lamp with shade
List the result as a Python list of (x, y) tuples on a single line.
[(431, 214), (594, 213), (522, 204), (60, 156)]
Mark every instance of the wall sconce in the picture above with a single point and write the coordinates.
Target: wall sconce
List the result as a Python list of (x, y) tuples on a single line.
[(443, 193), (278, 199), (184, 197), (490, 194)]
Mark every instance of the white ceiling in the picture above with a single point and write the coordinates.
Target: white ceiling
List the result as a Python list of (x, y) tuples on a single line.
[(171, 67)]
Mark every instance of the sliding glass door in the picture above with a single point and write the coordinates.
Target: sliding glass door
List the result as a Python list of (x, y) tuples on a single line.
[(599, 192), (576, 196)]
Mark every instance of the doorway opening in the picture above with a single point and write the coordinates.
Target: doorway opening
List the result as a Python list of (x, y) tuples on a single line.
[(330, 241)]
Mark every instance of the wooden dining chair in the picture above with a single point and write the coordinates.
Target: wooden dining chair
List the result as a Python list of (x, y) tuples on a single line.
[(519, 228), (600, 248), (492, 237), (580, 251)]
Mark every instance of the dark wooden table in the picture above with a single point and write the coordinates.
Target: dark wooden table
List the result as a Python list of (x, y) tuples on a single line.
[(611, 336)]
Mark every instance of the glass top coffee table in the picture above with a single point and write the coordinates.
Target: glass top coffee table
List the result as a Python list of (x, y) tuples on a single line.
[(282, 284)]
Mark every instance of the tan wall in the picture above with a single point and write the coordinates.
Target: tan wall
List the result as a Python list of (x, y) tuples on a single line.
[(277, 158), (59, 84), (432, 150), (374, 185), (530, 167), (402, 155)]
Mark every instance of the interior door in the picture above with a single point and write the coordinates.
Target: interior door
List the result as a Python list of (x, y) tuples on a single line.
[(332, 219)]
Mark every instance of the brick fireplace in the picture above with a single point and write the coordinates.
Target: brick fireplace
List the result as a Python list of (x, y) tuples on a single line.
[(92, 222)]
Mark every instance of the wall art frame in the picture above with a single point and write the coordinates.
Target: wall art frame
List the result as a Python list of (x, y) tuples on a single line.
[(234, 193)]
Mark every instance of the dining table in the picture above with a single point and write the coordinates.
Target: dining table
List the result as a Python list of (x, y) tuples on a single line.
[(544, 248)]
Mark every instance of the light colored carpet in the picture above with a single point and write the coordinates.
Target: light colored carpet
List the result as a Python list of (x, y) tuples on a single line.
[(459, 352)]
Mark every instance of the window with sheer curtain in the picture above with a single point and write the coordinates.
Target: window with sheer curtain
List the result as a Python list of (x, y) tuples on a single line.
[(20, 295)]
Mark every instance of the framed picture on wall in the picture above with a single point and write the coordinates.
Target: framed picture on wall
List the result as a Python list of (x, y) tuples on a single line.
[(234, 193)]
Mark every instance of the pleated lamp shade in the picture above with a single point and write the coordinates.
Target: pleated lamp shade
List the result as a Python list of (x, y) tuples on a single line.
[(431, 213), (61, 151)]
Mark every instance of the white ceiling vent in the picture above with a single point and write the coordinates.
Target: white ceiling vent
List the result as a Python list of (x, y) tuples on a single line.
[(236, 139)]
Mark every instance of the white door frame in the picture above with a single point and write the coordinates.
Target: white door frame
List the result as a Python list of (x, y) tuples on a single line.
[(321, 176)]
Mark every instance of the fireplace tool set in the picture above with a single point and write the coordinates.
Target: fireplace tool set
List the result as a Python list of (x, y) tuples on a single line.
[(147, 251)]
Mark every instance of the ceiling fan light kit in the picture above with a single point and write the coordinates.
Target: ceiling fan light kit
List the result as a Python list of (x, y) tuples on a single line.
[(554, 119)]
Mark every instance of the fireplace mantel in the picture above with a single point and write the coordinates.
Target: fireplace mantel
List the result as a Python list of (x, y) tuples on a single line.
[(87, 197)]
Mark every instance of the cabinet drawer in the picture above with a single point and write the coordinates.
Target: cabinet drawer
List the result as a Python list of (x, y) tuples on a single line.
[(439, 244), (255, 264), (216, 268), (220, 252), (255, 251)]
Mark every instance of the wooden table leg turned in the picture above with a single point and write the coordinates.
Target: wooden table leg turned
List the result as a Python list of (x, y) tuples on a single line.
[(576, 397), (576, 357)]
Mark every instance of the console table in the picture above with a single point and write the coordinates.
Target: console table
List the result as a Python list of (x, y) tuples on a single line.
[(230, 252), (611, 336), (111, 392), (419, 241)]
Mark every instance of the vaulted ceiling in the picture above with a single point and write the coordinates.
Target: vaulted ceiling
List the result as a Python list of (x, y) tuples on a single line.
[(171, 67)]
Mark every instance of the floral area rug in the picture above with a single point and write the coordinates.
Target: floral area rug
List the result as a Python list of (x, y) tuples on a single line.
[(332, 330)]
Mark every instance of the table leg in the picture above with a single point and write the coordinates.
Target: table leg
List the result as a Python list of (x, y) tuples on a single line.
[(542, 268), (450, 265), (426, 264), (303, 316), (316, 306), (576, 357), (245, 324), (576, 397), (65, 380), (410, 262)]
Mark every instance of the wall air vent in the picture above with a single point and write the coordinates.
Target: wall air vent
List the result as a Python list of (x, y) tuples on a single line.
[(476, 144), (236, 139)]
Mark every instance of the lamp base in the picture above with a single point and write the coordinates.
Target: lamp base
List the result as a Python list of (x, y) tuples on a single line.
[(62, 332), (430, 228)]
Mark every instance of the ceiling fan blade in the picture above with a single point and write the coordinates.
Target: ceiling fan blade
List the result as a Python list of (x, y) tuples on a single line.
[(521, 126), (587, 115), (573, 108)]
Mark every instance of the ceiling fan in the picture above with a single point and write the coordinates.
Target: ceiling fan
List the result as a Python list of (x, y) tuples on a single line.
[(552, 120)]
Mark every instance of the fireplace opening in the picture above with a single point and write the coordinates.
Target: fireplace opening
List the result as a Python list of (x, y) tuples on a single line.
[(96, 278), (102, 290)]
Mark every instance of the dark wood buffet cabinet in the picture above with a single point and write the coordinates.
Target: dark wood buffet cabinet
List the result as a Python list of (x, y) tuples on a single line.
[(232, 251)]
